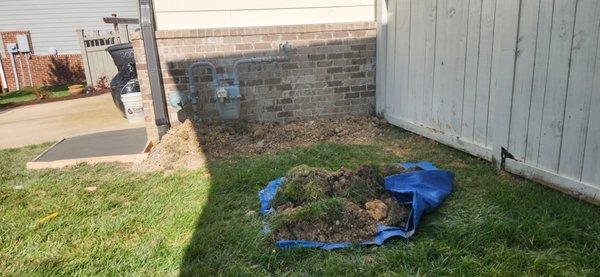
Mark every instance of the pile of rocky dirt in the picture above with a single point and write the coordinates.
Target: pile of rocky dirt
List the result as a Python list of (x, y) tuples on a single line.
[(219, 140), (336, 206), (178, 149), (186, 146)]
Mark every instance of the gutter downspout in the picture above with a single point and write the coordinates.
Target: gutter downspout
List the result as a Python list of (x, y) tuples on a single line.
[(14, 70), (159, 102)]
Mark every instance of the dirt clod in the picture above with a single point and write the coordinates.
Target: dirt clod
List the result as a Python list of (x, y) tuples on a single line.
[(377, 209)]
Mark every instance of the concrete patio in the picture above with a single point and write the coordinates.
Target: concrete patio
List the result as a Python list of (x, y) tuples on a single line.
[(52, 121)]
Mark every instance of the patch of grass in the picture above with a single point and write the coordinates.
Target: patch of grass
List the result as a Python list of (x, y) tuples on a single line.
[(317, 210), (194, 223), (27, 94)]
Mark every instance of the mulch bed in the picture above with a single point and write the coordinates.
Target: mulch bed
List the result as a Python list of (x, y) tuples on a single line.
[(49, 100)]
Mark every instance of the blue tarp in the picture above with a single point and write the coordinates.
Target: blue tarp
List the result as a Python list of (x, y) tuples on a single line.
[(424, 190)]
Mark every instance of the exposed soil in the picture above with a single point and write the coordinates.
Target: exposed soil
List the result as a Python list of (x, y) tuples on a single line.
[(219, 140), (178, 149), (188, 145), (53, 99), (353, 224), (342, 206)]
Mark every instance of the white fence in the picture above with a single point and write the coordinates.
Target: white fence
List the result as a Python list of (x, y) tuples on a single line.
[(98, 64), (483, 75)]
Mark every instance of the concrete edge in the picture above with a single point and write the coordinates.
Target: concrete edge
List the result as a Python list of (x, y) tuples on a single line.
[(127, 159)]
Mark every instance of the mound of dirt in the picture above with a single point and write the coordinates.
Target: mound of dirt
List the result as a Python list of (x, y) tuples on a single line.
[(219, 140), (178, 149), (320, 205), (186, 146), (351, 223)]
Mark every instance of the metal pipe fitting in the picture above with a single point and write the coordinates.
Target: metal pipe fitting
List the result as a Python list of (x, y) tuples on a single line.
[(268, 59), (193, 91)]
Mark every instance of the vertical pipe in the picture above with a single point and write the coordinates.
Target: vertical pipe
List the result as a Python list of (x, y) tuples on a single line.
[(159, 102), (21, 67), (27, 57), (14, 70)]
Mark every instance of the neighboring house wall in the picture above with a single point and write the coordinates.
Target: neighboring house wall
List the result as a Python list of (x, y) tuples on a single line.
[(44, 69), (52, 23), (194, 14), (331, 71)]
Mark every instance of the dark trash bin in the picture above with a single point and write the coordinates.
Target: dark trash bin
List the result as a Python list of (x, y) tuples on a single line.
[(126, 79)]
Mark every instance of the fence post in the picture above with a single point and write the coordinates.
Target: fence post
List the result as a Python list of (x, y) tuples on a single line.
[(123, 34), (84, 57)]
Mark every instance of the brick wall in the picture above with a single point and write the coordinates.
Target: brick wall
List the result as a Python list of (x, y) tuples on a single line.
[(331, 71), (45, 69)]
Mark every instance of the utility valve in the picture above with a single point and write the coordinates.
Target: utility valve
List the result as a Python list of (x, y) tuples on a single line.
[(222, 95)]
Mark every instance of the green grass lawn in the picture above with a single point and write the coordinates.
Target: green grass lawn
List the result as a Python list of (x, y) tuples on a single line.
[(195, 222), (26, 94)]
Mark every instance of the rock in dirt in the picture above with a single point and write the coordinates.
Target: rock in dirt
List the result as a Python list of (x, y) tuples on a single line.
[(178, 149), (91, 189), (377, 209)]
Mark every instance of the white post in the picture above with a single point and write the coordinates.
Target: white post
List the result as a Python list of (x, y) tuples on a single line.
[(381, 13)]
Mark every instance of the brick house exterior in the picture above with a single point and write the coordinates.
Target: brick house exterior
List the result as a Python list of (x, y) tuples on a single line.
[(331, 71), (45, 69)]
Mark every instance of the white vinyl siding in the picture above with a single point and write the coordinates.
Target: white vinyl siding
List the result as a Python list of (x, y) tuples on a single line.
[(52, 23), (192, 14)]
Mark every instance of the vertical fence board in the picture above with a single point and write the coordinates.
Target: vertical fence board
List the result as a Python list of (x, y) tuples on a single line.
[(591, 173), (390, 64), (556, 88), (422, 47), (581, 80), (484, 73), (450, 65), (524, 69), (503, 64), (471, 70), (402, 57), (540, 75), (381, 55)]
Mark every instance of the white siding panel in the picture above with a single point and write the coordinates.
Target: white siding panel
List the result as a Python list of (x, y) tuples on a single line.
[(52, 23), (191, 14)]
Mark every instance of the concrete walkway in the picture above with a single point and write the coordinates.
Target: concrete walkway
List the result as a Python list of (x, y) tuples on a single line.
[(52, 121)]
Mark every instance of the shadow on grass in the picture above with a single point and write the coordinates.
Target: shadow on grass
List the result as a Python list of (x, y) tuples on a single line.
[(226, 235), (491, 223)]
